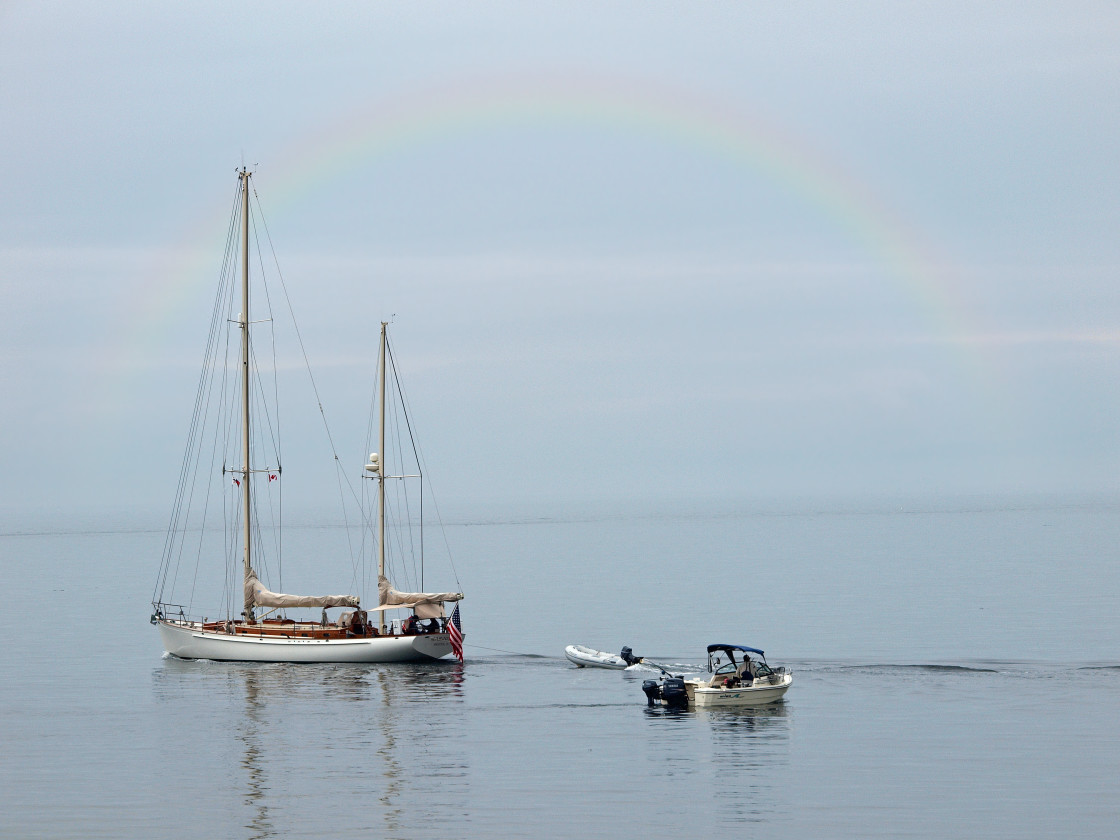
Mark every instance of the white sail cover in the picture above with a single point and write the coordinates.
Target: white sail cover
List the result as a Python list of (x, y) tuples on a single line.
[(426, 604), (257, 596)]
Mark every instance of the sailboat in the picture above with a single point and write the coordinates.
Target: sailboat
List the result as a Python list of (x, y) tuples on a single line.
[(353, 635)]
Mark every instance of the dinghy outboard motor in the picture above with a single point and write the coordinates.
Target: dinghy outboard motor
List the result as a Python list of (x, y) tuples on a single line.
[(670, 691), (628, 657)]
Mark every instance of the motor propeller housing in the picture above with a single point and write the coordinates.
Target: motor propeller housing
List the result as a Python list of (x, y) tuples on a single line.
[(671, 691)]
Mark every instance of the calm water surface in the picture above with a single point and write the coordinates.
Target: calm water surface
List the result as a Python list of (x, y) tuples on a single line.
[(957, 674)]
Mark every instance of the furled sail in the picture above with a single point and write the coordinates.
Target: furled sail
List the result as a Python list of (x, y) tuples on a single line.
[(257, 596), (425, 604)]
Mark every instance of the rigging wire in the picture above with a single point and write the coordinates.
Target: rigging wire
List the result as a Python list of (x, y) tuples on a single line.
[(405, 522), (422, 466), (276, 438), (393, 536), (262, 404), (402, 494), (231, 516), (187, 483), (213, 398), (365, 503), (341, 474), (396, 494)]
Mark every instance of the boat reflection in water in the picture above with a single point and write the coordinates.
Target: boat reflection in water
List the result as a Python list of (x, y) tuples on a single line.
[(253, 761), (749, 755), (753, 744), (305, 733)]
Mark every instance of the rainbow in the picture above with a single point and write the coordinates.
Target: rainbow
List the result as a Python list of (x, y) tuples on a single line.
[(445, 114)]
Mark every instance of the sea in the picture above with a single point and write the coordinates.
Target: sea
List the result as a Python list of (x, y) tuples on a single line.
[(956, 668)]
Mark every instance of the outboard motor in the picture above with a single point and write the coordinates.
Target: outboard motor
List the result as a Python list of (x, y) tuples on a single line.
[(671, 691), (628, 657)]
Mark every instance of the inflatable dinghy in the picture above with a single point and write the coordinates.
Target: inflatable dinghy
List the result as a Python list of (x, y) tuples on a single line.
[(585, 657)]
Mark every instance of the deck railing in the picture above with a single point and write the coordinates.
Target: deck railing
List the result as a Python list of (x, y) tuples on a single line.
[(176, 614)]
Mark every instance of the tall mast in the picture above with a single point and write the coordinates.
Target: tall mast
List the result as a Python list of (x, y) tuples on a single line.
[(244, 324), (381, 471)]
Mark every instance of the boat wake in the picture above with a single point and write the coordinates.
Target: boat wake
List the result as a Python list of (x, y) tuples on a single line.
[(915, 668), (674, 667)]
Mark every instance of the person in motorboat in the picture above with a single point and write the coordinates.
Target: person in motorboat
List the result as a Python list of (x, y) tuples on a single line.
[(730, 675), (743, 675), (746, 672)]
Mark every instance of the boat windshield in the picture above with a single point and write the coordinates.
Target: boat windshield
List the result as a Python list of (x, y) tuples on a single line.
[(728, 649)]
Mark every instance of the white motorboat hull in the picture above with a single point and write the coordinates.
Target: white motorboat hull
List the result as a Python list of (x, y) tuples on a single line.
[(587, 658), (758, 694), (188, 642)]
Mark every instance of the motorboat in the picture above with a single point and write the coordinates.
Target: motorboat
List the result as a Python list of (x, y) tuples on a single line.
[(738, 681), (585, 657)]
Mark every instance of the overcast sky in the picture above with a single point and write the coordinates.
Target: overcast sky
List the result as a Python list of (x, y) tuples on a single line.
[(664, 250)]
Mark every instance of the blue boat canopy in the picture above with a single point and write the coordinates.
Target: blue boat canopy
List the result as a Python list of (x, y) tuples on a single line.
[(714, 648)]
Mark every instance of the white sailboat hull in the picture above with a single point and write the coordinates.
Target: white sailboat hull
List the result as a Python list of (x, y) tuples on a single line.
[(188, 642)]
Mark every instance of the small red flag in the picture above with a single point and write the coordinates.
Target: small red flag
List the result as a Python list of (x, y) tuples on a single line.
[(238, 483), (272, 478)]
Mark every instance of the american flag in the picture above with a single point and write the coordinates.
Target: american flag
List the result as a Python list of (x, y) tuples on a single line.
[(455, 631)]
